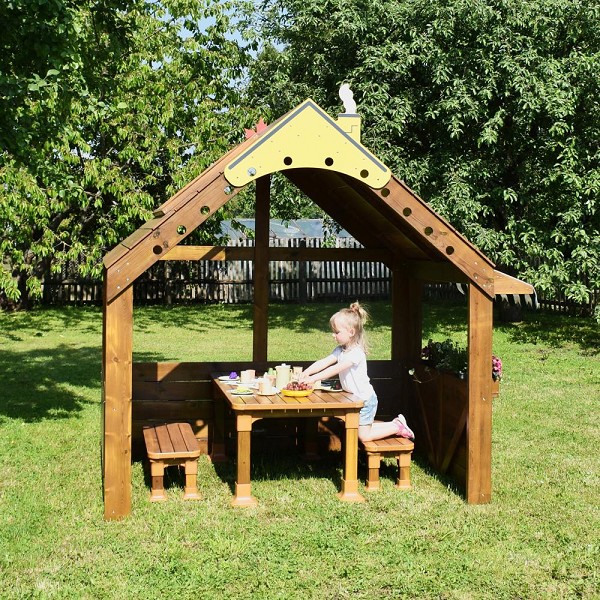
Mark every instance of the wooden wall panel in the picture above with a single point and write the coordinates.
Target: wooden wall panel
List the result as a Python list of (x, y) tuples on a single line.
[(171, 390)]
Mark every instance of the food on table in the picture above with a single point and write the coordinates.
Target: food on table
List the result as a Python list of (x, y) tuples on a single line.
[(243, 390), (296, 386), (331, 384), (233, 375)]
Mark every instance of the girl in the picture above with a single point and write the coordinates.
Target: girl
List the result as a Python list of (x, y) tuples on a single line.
[(349, 361)]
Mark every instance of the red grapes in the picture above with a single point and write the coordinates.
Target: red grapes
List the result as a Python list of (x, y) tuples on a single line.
[(296, 386)]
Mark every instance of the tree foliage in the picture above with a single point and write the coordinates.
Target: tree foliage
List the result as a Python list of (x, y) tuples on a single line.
[(106, 108), (488, 109)]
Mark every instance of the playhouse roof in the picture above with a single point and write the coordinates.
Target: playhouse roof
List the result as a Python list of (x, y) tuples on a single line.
[(324, 159)]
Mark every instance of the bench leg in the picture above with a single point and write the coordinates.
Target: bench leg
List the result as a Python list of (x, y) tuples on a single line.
[(403, 471), (191, 478), (157, 472), (373, 464)]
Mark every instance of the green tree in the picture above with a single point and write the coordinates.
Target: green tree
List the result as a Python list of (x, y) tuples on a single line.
[(488, 109), (106, 108)]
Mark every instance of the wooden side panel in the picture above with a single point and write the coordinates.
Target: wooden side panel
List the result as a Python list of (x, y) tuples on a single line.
[(453, 419), (203, 371), (117, 394), (185, 371), (170, 390), (479, 427)]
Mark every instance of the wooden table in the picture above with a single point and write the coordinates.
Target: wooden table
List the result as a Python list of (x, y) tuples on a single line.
[(250, 408)]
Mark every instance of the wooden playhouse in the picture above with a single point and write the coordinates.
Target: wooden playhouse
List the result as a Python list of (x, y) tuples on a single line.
[(325, 159)]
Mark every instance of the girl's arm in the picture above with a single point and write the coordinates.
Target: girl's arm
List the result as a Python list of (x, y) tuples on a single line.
[(317, 366), (326, 371)]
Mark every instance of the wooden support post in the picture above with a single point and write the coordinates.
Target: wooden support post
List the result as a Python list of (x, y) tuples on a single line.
[(479, 424), (261, 271), (407, 316), (302, 277), (117, 348)]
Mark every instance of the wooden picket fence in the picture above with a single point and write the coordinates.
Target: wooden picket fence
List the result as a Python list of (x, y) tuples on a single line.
[(231, 282)]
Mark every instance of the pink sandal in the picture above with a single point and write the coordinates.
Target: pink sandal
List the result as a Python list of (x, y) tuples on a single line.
[(403, 429)]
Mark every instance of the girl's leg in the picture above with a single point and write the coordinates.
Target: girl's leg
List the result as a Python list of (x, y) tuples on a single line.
[(377, 431)]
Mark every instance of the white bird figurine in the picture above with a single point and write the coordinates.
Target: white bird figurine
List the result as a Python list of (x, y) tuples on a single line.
[(348, 99)]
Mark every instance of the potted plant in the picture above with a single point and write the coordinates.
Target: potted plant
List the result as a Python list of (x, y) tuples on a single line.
[(449, 357)]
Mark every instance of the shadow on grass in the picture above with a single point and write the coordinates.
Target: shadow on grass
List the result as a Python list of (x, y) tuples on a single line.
[(44, 384), (51, 383), (536, 327), (554, 331), (44, 321), (270, 464), (196, 317), (267, 465), (303, 318)]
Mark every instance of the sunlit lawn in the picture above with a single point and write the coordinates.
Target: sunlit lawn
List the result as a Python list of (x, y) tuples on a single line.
[(537, 539)]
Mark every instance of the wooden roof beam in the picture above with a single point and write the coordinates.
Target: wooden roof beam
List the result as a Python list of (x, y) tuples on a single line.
[(408, 211), (279, 254), (160, 235)]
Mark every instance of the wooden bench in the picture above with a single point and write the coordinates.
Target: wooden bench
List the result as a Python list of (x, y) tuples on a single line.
[(398, 447), (172, 444)]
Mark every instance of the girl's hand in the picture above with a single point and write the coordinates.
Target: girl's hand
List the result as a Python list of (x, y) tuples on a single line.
[(303, 377)]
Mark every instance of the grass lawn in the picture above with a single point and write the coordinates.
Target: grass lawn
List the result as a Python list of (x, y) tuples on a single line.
[(539, 538)]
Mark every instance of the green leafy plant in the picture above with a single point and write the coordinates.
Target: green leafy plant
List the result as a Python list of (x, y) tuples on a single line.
[(451, 357)]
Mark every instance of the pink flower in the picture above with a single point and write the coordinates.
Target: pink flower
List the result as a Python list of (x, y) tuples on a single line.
[(496, 368)]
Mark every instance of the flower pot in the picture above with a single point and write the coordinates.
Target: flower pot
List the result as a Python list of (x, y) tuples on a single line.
[(443, 404)]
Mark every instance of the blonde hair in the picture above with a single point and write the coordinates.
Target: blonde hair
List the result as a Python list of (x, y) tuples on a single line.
[(354, 317)]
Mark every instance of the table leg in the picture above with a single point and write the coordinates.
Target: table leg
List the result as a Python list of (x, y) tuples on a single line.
[(243, 487), (218, 454), (350, 491), (311, 438)]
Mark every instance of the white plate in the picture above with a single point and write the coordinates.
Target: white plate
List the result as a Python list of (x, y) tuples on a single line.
[(273, 393), (250, 393), (325, 388), (227, 378)]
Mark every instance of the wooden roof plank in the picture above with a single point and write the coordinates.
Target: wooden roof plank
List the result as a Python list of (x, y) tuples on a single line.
[(203, 180), (506, 284), (410, 211), (176, 225), (114, 255)]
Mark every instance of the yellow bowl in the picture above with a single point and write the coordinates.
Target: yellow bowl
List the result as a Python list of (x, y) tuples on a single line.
[(296, 393)]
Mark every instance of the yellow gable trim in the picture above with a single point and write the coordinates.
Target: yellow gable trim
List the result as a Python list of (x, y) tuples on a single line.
[(308, 137)]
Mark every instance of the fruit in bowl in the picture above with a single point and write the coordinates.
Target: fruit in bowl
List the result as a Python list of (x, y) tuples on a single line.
[(297, 389), (297, 386)]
